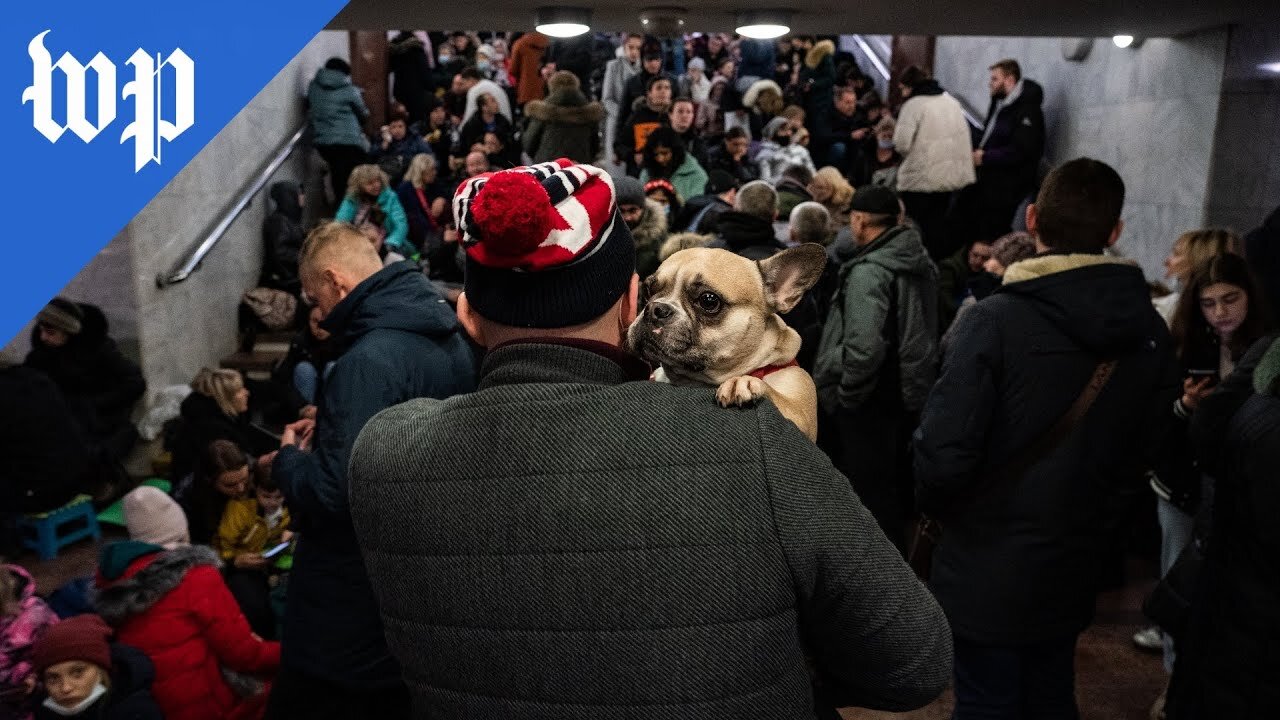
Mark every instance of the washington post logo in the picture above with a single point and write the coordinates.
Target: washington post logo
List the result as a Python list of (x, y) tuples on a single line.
[(149, 129)]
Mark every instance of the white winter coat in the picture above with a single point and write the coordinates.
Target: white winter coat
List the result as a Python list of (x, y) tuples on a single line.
[(933, 138)]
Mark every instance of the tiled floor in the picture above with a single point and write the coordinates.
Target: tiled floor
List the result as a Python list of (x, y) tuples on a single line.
[(1114, 680)]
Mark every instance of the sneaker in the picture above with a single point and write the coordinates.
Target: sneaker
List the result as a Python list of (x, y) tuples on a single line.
[(1150, 639)]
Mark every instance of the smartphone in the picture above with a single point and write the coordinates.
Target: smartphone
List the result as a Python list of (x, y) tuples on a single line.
[(275, 550), (1198, 374)]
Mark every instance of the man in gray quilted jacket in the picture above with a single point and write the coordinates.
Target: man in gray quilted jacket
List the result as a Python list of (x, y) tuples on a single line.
[(575, 542)]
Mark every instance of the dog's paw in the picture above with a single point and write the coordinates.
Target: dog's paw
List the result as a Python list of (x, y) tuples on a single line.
[(740, 391)]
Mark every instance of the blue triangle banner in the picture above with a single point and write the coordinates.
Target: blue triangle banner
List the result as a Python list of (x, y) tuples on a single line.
[(101, 104)]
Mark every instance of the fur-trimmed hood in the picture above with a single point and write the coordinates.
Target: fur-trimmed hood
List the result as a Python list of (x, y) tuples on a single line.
[(752, 94), (131, 594), (1043, 265), (565, 107), (651, 231), (820, 50)]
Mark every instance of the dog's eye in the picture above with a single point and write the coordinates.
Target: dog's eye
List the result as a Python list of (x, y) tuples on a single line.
[(709, 302)]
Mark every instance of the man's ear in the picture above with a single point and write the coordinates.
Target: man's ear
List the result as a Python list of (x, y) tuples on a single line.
[(471, 322), (790, 273), (1033, 219), (1115, 233), (630, 304)]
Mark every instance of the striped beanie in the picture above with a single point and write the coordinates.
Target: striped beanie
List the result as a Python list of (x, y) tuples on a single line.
[(545, 246)]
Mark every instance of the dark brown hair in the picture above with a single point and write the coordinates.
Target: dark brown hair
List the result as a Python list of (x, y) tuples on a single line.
[(1079, 206), (1193, 337), (913, 75), (1009, 66)]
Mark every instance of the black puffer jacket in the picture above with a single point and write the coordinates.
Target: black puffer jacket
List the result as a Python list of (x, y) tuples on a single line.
[(1018, 561), (47, 461), (100, 384), (1228, 666), (282, 238), (1013, 147)]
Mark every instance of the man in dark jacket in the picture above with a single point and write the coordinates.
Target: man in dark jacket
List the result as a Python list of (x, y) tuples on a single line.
[(1009, 151), (1024, 531), (638, 84), (70, 344), (878, 355), (282, 238), (401, 342), (747, 229), (532, 563)]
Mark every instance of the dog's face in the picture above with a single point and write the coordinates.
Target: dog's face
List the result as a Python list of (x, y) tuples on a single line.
[(707, 314)]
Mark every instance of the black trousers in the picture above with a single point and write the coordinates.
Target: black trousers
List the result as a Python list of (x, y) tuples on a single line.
[(871, 447), (1013, 683), (297, 696), (253, 595), (341, 159), (930, 210)]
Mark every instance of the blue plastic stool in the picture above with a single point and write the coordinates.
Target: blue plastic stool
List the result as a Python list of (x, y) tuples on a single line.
[(47, 532)]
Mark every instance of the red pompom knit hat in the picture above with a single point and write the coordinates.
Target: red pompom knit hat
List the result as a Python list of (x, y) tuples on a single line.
[(545, 245)]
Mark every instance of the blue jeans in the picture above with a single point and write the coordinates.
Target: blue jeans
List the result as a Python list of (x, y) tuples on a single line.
[(1016, 683), (306, 380), (1176, 529)]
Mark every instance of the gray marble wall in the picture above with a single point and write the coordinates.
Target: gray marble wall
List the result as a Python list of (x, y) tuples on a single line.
[(179, 329), (1245, 184), (192, 324), (1150, 112)]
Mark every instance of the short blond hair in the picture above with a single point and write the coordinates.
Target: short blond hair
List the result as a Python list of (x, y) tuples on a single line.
[(340, 243), (221, 385), (841, 190), (362, 174), (1201, 245), (418, 166)]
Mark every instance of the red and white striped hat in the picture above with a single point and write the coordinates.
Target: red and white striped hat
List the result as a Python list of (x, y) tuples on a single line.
[(544, 244)]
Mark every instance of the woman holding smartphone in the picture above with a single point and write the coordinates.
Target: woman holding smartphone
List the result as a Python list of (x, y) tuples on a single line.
[(1218, 316)]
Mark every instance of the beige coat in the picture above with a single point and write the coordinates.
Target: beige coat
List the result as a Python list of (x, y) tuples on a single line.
[(933, 137)]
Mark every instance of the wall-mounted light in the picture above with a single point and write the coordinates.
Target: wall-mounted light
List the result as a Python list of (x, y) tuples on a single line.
[(1127, 41), (562, 22), (1270, 67), (764, 24)]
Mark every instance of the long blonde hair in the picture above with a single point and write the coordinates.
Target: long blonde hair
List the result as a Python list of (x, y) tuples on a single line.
[(841, 190), (362, 174), (221, 385)]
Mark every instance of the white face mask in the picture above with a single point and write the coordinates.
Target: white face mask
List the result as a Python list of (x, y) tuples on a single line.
[(98, 691)]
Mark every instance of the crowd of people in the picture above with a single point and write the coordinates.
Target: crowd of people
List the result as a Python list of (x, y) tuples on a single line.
[(478, 505)]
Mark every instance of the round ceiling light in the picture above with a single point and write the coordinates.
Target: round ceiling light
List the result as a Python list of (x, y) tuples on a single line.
[(764, 24), (563, 22)]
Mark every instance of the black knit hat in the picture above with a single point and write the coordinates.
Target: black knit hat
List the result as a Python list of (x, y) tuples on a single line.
[(720, 181), (62, 314), (545, 245), (876, 200)]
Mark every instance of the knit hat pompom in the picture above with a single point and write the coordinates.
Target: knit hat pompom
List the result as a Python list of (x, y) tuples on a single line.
[(513, 214)]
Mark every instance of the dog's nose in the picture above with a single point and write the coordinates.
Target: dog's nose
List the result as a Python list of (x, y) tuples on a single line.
[(661, 311)]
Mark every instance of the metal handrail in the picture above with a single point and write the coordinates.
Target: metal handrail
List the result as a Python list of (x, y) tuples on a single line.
[(969, 114), (183, 270)]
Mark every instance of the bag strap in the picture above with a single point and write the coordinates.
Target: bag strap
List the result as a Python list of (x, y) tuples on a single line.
[(1055, 435)]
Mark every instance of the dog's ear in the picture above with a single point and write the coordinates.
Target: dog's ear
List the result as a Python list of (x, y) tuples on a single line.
[(790, 273)]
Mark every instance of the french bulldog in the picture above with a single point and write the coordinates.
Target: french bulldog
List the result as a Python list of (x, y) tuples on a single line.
[(711, 317)]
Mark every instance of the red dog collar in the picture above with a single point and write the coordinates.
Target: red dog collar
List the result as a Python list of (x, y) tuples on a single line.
[(771, 369)]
